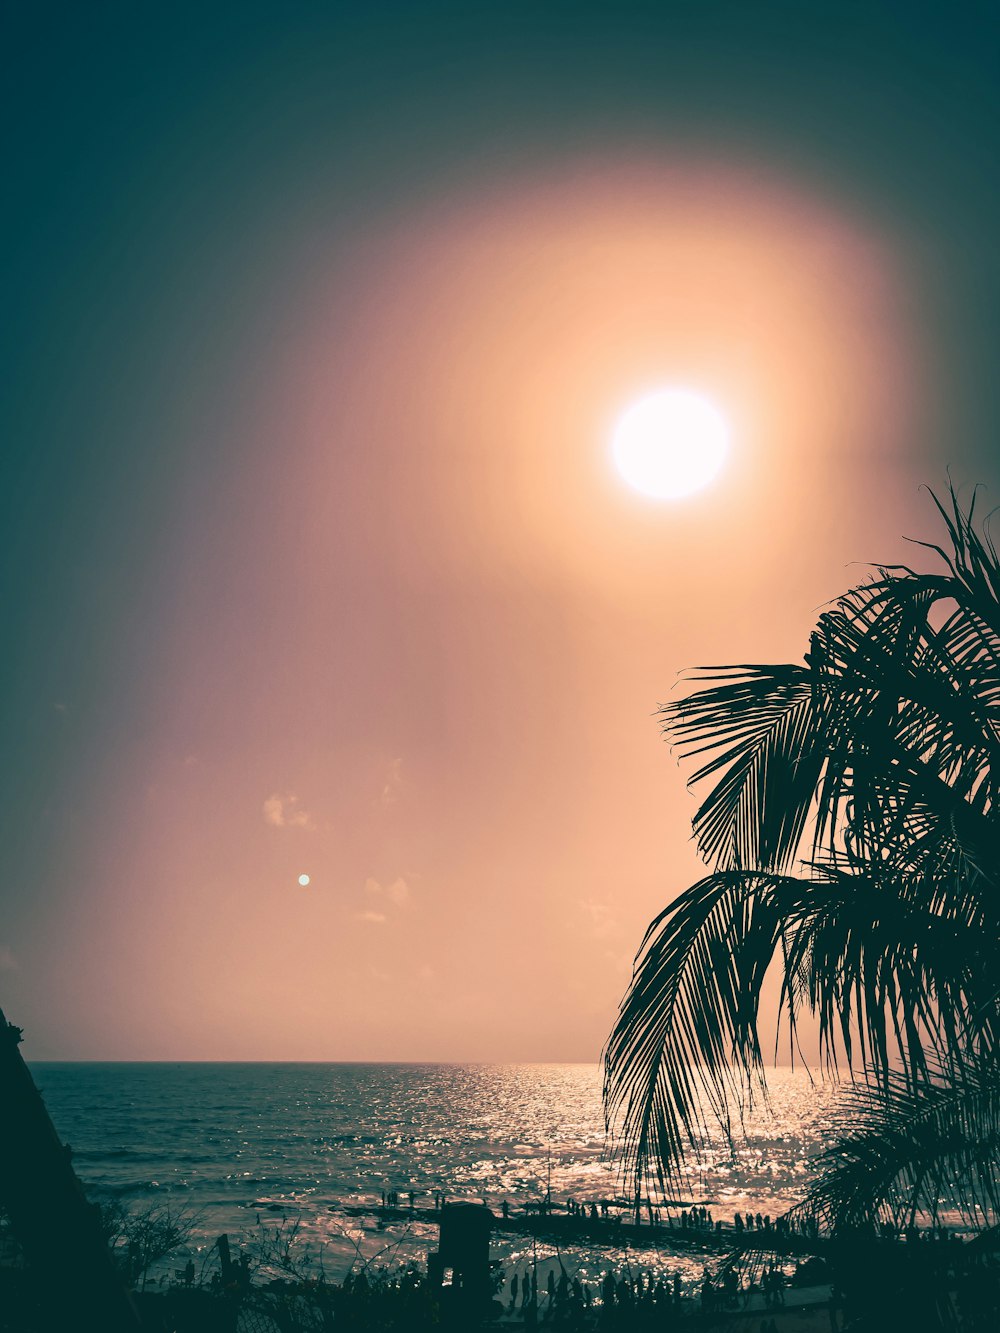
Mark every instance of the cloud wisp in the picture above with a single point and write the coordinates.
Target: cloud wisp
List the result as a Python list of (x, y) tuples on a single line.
[(391, 783), (387, 900), (282, 811), (397, 893)]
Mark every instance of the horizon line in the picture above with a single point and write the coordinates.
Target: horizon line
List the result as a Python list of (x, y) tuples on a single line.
[(167, 1060)]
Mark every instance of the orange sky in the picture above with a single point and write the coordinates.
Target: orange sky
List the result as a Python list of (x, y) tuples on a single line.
[(415, 628)]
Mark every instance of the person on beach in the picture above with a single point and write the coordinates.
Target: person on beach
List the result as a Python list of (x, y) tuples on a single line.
[(529, 1304), (707, 1292)]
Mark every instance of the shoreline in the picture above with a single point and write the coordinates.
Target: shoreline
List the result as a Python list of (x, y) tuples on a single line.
[(611, 1231)]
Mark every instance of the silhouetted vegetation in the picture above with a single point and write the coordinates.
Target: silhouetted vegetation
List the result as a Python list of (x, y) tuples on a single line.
[(849, 823), (141, 1238)]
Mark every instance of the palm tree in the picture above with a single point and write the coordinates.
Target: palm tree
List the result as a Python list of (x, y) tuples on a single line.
[(850, 829)]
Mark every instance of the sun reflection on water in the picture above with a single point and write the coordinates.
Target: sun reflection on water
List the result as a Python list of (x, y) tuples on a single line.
[(242, 1142)]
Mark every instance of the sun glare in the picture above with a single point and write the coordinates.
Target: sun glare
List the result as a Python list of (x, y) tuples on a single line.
[(671, 444)]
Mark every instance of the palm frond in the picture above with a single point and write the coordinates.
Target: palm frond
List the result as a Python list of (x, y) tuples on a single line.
[(883, 747), (888, 978), (763, 729), (896, 971), (686, 1036), (906, 1151)]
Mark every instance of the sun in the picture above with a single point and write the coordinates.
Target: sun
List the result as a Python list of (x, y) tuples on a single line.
[(671, 443)]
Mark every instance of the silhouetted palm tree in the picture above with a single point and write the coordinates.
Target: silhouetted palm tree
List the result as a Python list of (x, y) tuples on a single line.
[(851, 830)]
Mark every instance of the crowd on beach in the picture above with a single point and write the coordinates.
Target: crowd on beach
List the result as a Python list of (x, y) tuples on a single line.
[(638, 1292), (569, 1300), (693, 1218)]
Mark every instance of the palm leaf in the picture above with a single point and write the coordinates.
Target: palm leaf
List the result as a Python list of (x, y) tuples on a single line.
[(885, 743), (763, 729), (886, 976), (686, 1035), (904, 1151)]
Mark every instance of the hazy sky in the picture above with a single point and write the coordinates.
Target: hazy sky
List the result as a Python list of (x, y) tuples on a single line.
[(318, 320)]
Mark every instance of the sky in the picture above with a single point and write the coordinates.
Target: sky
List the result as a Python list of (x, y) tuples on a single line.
[(318, 322)]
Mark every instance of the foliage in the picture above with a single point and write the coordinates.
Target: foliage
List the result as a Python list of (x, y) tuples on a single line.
[(139, 1239), (848, 819), (391, 1299), (907, 1147), (282, 1250)]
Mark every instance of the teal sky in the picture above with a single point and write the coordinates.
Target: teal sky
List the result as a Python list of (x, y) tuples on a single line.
[(268, 268)]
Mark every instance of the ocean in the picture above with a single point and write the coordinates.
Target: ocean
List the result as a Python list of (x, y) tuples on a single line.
[(253, 1149)]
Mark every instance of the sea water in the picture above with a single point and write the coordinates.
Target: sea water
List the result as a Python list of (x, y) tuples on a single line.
[(250, 1148)]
